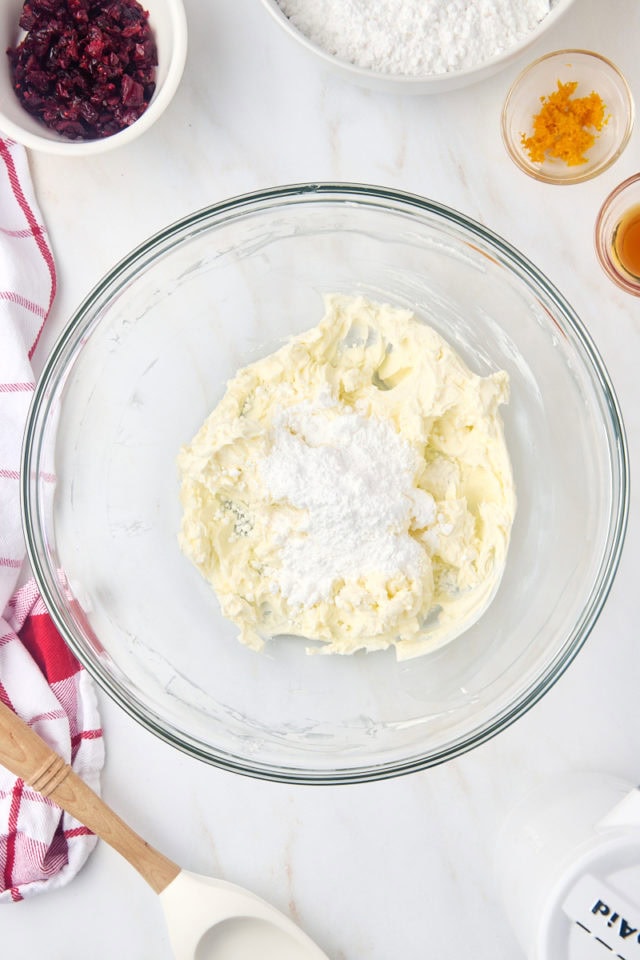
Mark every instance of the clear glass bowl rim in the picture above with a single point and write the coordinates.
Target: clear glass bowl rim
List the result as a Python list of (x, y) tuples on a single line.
[(281, 197)]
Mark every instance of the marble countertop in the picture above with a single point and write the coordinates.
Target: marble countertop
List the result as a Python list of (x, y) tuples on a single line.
[(399, 868)]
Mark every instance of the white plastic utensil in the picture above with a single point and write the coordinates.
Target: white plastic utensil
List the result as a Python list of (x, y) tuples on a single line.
[(207, 919)]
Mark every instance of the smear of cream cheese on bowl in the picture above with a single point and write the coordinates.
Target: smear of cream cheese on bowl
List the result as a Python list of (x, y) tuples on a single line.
[(353, 488)]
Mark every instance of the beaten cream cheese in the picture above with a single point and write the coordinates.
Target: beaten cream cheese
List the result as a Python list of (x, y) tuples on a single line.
[(354, 487)]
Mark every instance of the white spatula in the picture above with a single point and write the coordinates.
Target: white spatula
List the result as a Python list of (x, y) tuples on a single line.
[(207, 919)]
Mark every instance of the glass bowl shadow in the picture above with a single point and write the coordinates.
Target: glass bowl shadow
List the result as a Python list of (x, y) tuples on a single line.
[(146, 357)]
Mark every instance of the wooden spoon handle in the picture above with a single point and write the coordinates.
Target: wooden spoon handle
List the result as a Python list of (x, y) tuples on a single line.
[(26, 755)]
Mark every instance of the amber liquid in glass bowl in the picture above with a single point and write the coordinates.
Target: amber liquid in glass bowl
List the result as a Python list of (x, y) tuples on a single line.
[(626, 241)]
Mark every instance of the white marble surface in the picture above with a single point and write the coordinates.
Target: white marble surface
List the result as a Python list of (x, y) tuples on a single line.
[(399, 868)]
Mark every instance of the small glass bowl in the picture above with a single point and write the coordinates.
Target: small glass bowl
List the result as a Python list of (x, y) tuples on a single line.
[(621, 202), (592, 72)]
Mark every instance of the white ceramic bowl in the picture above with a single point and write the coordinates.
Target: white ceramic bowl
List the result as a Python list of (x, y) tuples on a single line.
[(168, 22), (433, 83)]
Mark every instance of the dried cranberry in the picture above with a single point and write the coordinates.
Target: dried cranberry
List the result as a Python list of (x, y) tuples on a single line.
[(86, 68), (132, 92)]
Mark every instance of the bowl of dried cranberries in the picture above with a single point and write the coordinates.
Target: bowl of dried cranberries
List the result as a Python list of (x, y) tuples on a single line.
[(85, 76)]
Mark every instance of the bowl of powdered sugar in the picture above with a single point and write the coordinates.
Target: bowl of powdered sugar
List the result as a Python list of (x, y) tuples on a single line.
[(417, 46)]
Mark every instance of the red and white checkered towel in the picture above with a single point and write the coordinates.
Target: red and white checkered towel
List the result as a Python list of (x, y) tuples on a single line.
[(40, 847)]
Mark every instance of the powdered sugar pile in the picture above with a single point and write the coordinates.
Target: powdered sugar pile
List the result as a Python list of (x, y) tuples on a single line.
[(352, 478), (415, 37)]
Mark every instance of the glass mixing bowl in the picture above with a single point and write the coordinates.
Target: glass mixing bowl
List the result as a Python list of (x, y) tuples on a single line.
[(144, 360)]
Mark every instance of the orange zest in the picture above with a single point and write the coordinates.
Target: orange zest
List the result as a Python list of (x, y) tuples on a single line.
[(565, 127)]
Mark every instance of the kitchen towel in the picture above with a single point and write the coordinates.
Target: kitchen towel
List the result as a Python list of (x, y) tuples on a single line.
[(40, 846)]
